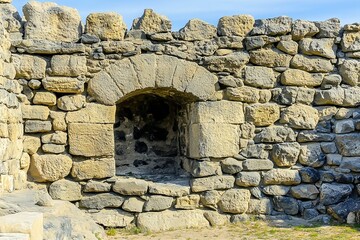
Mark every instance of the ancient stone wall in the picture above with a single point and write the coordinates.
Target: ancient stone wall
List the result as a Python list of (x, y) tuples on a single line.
[(264, 117)]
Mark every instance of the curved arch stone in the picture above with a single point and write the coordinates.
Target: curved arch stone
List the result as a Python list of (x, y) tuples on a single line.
[(150, 71)]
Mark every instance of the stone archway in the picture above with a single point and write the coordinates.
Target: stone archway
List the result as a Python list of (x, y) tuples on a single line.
[(141, 72)]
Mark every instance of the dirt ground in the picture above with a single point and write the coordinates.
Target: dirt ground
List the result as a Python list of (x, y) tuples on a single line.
[(246, 231)]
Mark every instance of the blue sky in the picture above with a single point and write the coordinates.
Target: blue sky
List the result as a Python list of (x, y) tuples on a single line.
[(180, 11)]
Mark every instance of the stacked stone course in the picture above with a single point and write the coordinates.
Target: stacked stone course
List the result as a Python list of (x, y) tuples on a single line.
[(270, 120)]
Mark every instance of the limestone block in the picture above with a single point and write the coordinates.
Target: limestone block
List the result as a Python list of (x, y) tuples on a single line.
[(58, 122), (270, 57), (272, 26), (119, 47), (35, 112), (285, 154), (201, 168), (304, 191), (145, 67), (344, 126), (170, 189), (282, 176), (53, 148), (45, 98), (333, 96), (196, 30), (262, 115), (97, 186), (287, 205), (106, 26), (213, 140), (158, 203), (334, 192), (65, 190), (257, 164), (55, 138), (151, 22), (167, 220), (36, 126), (301, 29), (238, 25), (349, 71), (276, 190), (102, 200), (93, 169), (11, 19), (289, 47), (348, 144), (49, 21), (231, 165), (300, 116), (323, 47), (24, 222), (248, 179), (243, 94), (351, 41), (329, 28), (131, 186), (71, 102), (217, 112), (309, 175), (93, 113), (352, 163), (275, 134), (113, 218), (312, 155), (188, 202), (31, 144), (296, 77), (90, 140), (133, 204), (49, 167), (29, 67), (261, 77), (63, 84), (235, 201), (311, 63), (68, 65), (229, 63), (34, 84), (212, 183)]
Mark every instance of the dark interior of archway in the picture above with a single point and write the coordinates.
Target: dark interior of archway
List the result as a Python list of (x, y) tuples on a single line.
[(147, 136)]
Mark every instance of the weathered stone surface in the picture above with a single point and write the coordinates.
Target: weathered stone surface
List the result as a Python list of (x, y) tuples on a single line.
[(311, 63), (35, 112), (95, 186), (309, 175), (133, 204), (235, 201), (282, 176), (31, 144), (130, 186), (56, 138), (350, 41), (113, 218), (285, 154), (270, 57), (106, 26), (334, 193), (216, 219), (167, 220), (65, 190), (344, 211), (91, 139), (151, 22), (260, 206), (49, 167), (229, 63), (100, 201), (333, 96), (63, 84), (272, 26), (348, 144), (261, 77), (205, 139), (53, 148), (262, 115), (304, 191), (29, 67), (286, 204), (323, 47), (311, 155), (238, 25), (329, 28), (344, 126), (276, 190), (212, 183), (93, 113), (300, 116), (257, 164), (68, 65), (196, 30), (301, 29), (169, 189), (231, 165), (158, 203), (352, 163), (93, 168), (275, 134), (296, 77), (289, 47), (243, 94), (201, 168), (349, 71), (248, 179), (188, 202), (36, 126), (49, 21), (58, 122), (45, 98), (71, 102)]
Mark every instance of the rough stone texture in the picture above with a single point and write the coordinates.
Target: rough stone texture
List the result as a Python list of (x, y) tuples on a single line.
[(71, 102), (296, 77), (261, 77), (112, 218), (272, 26), (304, 191), (63, 84), (93, 169), (130, 186), (282, 176), (320, 47), (67, 65), (285, 154), (334, 193), (65, 190), (349, 71), (262, 115), (348, 144), (196, 30), (100, 201), (248, 179), (29, 67), (300, 116), (106, 26), (239, 25), (212, 183), (235, 201), (270, 57), (151, 22), (311, 63), (311, 155), (301, 29), (158, 203)]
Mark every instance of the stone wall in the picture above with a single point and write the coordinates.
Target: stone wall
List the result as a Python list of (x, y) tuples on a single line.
[(269, 118)]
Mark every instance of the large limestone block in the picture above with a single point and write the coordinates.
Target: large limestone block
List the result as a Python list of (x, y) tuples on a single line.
[(301, 29), (300, 116), (296, 77), (11, 19), (63, 84), (24, 222), (35, 112), (167, 220), (65, 190), (272, 26), (261, 77), (348, 144), (323, 47), (106, 26), (285, 154), (37, 126), (312, 155), (235, 201), (151, 22), (124, 76), (213, 140), (352, 163), (239, 25), (29, 67), (262, 115), (113, 218), (49, 167), (68, 65), (350, 72), (158, 203), (270, 57), (276, 134), (91, 140), (93, 169), (351, 41), (311, 63), (282, 176), (131, 186), (49, 21), (212, 183), (170, 189), (93, 113), (229, 63), (196, 30), (334, 193), (202, 84), (102, 200), (217, 112), (329, 28)]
